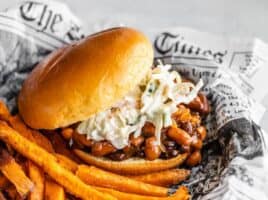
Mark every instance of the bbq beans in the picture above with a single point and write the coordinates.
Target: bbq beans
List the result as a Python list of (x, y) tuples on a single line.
[(136, 141), (200, 104), (194, 159), (202, 132), (102, 148), (174, 153), (188, 127), (179, 135), (129, 150), (185, 135), (148, 130), (152, 149), (197, 143), (82, 140), (169, 144)]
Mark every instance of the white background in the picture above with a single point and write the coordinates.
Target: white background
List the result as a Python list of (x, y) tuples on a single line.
[(228, 17), (235, 17)]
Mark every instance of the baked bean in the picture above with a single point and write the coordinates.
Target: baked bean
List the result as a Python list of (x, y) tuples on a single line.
[(164, 136), (186, 149), (164, 155), (148, 130), (196, 104), (180, 136), (194, 159), (204, 100), (140, 153), (169, 143), (197, 143), (129, 150), (152, 150), (102, 148), (202, 132), (82, 139), (67, 133), (200, 104), (188, 127), (136, 141), (173, 153)]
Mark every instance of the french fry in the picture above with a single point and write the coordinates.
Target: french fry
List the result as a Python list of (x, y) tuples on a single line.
[(131, 167), (4, 112), (48, 162), (181, 194), (17, 123), (66, 162), (37, 176), (53, 191), (33, 135), (14, 173), (164, 178), (98, 177)]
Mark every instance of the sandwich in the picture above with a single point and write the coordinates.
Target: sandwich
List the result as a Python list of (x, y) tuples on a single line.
[(116, 108)]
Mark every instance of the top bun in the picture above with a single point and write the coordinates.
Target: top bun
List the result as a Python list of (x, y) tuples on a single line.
[(84, 78)]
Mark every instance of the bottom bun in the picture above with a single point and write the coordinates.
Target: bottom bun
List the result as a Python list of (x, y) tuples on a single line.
[(133, 166)]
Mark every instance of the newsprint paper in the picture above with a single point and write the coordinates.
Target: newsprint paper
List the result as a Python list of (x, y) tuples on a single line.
[(234, 70)]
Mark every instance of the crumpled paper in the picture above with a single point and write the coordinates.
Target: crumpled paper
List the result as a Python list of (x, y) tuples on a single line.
[(234, 163), (233, 69)]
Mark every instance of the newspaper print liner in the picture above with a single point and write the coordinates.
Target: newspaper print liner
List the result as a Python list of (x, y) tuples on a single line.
[(233, 157), (235, 150), (29, 32)]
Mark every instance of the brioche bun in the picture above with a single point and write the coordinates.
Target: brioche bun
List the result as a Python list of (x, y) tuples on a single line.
[(133, 166), (84, 78)]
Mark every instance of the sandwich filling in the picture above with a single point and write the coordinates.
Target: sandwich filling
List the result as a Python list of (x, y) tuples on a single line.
[(154, 101)]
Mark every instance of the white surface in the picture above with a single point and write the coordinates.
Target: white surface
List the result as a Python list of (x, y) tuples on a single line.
[(240, 17), (235, 17)]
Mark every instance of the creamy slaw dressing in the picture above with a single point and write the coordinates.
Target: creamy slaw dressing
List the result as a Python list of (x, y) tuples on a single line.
[(154, 100)]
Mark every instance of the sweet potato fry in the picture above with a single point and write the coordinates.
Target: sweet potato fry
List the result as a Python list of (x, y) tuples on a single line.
[(33, 135), (53, 191), (164, 178), (48, 162), (4, 112), (66, 162), (14, 173), (37, 176), (98, 177), (181, 194), (17, 123), (131, 167)]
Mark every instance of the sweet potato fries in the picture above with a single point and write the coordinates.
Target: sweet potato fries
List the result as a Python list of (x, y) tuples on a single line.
[(38, 172)]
